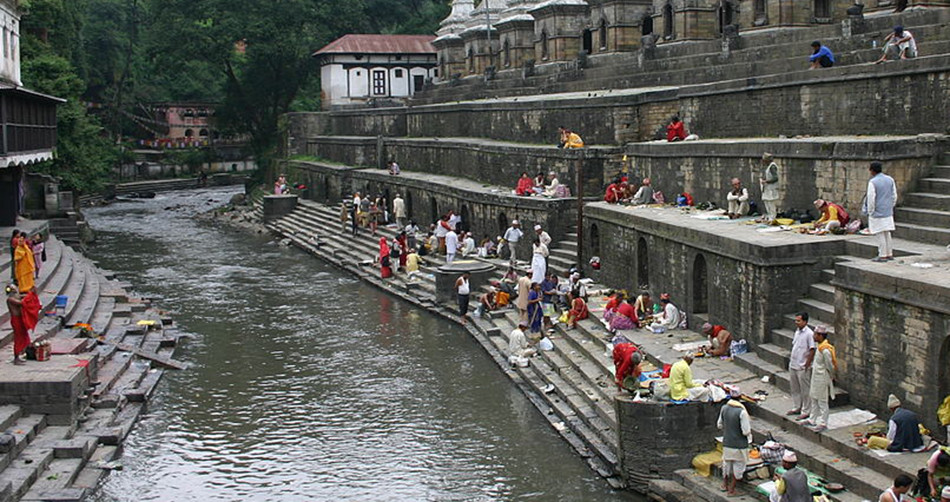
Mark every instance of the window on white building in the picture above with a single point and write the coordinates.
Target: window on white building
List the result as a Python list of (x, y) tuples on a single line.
[(379, 82), (398, 73)]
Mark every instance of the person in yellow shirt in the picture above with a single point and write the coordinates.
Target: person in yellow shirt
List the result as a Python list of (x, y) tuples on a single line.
[(570, 139), (832, 216), (682, 385)]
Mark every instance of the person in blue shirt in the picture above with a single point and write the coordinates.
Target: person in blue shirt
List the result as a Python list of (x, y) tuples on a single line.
[(821, 56)]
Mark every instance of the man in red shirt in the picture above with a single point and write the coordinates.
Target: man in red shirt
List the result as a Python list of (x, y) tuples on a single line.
[(627, 359), (720, 339)]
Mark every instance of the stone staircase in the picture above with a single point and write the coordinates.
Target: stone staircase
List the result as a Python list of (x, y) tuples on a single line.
[(572, 385), (924, 215), (771, 358), (53, 456)]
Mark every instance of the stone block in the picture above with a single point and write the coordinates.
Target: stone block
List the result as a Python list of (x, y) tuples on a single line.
[(59, 495), (276, 206)]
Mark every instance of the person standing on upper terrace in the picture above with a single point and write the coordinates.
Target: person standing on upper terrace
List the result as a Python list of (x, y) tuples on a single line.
[(879, 206), (899, 44), (676, 130), (569, 138), (399, 210), (821, 56), (769, 182)]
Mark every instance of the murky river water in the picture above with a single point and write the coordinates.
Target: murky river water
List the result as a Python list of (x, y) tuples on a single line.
[(308, 385)]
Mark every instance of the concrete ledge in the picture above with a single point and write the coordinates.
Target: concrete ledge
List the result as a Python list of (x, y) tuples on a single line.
[(276, 206)]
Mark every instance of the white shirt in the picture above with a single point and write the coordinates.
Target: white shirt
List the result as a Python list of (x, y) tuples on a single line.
[(439, 231), (399, 207), (517, 343), (803, 342), (910, 44), (454, 220), (545, 238), (468, 246), (670, 316), (451, 242), (513, 234), (463, 288), (741, 197), (541, 249)]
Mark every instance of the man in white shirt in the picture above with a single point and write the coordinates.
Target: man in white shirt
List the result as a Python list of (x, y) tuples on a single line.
[(512, 236), (518, 348), (899, 44), (399, 210), (451, 246), (545, 238), (738, 199), (551, 189), (468, 244), (799, 367)]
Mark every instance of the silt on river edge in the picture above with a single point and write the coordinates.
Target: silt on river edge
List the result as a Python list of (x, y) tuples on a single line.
[(309, 385)]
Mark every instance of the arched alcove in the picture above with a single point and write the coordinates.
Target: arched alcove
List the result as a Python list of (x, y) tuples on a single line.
[(700, 285), (668, 20), (594, 239), (643, 264)]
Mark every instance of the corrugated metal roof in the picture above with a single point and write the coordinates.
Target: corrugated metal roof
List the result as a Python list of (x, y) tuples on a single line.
[(380, 44)]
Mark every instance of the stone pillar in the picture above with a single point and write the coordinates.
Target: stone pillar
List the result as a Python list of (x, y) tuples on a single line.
[(276, 206), (446, 275), (657, 438)]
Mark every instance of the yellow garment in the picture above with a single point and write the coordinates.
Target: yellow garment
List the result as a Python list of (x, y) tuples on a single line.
[(574, 141), (704, 461), (681, 379), (878, 443), (25, 267), (825, 345), (828, 214), (943, 412), (780, 486), (412, 262)]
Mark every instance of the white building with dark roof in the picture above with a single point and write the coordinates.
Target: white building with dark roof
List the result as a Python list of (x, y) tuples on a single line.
[(361, 69)]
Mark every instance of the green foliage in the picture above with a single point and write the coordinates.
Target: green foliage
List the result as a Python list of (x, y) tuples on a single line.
[(127, 53)]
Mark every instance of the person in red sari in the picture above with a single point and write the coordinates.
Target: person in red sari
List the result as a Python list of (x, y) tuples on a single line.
[(24, 314), (385, 267), (404, 247), (578, 311), (614, 193), (627, 359), (624, 318), (525, 185), (676, 131)]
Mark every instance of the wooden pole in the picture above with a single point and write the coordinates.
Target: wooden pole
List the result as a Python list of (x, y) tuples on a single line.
[(579, 182)]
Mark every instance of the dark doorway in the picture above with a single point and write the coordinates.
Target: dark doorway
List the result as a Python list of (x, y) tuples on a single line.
[(433, 210), (822, 9), (647, 27), (643, 264), (471, 60), (544, 46), (760, 14), (700, 286), (594, 237), (466, 224), (603, 34), (409, 205), (668, 21), (506, 54), (588, 44), (726, 15), (502, 223), (417, 82)]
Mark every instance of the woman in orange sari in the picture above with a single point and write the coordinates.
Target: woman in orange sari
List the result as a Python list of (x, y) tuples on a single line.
[(24, 265)]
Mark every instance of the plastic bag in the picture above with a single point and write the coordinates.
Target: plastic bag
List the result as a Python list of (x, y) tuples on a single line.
[(546, 344), (738, 347)]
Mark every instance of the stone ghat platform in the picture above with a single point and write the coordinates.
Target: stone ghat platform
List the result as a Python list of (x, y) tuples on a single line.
[(62, 421), (572, 385), (485, 161)]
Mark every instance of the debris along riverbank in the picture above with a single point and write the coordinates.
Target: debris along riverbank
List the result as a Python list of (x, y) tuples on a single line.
[(64, 419)]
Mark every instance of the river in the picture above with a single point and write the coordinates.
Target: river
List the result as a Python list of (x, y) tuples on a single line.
[(307, 384)]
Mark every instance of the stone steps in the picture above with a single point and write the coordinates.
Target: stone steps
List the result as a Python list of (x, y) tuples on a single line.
[(921, 233), (922, 216), (926, 200)]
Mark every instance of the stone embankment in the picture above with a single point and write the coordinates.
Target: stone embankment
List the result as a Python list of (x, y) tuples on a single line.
[(62, 421), (572, 385)]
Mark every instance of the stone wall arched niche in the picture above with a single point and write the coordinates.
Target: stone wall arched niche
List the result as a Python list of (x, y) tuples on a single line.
[(616, 25)]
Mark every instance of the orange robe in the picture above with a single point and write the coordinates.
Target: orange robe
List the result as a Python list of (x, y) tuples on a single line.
[(25, 268)]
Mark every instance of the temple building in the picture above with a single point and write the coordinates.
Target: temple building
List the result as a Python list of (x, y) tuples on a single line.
[(359, 70), (28, 129)]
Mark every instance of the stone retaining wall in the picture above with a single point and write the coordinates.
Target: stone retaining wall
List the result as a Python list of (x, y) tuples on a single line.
[(744, 285), (892, 335), (487, 214), (829, 168), (483, 161)]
